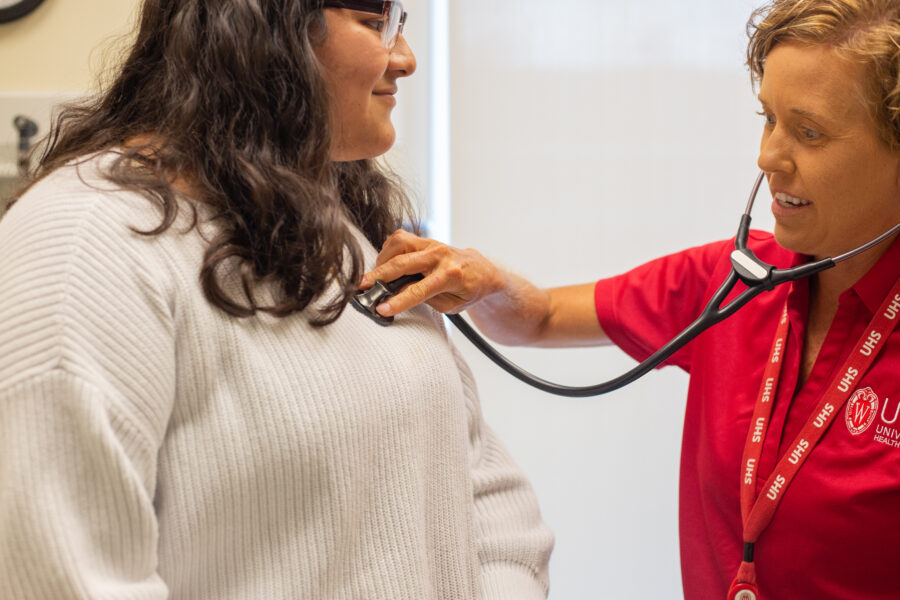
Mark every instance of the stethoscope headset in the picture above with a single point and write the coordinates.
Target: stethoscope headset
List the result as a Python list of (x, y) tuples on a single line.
[(745, 267)]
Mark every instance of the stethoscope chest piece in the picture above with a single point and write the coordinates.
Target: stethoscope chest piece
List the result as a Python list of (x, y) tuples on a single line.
[(365, 302)]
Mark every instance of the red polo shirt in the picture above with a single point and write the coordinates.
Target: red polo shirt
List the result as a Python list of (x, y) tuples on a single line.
[(836, 533)]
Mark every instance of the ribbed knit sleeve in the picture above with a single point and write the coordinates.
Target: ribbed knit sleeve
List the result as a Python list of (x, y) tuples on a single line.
[(86, 386), (513, 542)]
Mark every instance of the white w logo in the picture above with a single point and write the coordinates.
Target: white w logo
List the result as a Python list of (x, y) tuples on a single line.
[(861, 410), (860, 413)]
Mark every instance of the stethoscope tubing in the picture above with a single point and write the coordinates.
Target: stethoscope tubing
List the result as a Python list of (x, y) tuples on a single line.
[(712, 314), (746, 267)]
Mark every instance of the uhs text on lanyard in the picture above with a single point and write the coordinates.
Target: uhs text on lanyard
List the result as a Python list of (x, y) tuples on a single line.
[(757, 512)]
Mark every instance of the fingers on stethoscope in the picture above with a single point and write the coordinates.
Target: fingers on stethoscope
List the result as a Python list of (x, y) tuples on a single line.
[(400, 242), (433, 289), (396, 266), (442, 266), (454, 281), (405, 254), (395, 259)]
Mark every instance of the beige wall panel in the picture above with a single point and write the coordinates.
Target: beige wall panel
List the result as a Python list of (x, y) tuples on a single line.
[(63, 44)]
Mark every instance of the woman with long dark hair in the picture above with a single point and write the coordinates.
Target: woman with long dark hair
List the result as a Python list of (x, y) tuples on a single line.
[(186, 409)]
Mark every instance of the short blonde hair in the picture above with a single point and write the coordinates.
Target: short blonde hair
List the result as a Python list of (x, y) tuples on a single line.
[(864, 31)]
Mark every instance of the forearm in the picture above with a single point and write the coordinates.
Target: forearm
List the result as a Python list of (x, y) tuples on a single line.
[(521, 314), (515, 315), (505, 307)]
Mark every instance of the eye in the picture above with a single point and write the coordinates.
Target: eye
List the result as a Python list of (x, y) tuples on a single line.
[(375, 24), (770, 118), (810, 135)]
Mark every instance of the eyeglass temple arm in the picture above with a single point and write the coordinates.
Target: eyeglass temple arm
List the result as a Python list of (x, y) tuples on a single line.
[(372, 6)]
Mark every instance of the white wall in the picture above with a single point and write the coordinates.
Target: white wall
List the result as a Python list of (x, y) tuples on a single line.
[(409, 156), (587, 137)]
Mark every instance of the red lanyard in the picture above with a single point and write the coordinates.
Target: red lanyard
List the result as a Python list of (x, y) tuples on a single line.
[(757, 512)]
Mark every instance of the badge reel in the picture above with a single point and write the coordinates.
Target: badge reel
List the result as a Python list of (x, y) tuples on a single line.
[(743, 591)]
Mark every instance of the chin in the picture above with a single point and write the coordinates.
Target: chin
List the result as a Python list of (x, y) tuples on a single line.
[(790, 242), (371, 148), (382, 149), (386, 142), (805, 246)]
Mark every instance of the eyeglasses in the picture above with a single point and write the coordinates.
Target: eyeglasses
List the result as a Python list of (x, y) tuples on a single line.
[(391, 11)]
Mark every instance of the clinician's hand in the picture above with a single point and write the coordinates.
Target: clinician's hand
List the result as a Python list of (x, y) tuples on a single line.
[(454, 280), (505, 307)]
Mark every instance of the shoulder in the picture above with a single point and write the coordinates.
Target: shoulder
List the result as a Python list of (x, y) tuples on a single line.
[(79, 197), (699, 261), (77, 214), (76, 228), (77, 280)]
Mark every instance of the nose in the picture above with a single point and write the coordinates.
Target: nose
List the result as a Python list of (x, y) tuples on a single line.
[(402, 61), (774, 152)]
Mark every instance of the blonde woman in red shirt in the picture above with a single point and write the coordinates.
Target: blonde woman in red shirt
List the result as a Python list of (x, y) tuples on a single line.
[(790, 470)]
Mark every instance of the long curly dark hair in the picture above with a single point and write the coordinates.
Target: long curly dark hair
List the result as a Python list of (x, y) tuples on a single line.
[(227, 96)]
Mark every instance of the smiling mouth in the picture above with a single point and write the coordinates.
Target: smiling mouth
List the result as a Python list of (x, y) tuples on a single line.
[(788, 201)]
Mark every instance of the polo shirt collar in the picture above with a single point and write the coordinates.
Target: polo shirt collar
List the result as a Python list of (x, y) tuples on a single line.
[(875, 285), (871, 287)]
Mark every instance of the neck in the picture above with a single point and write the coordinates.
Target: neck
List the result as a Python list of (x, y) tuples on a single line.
[(828, 285)]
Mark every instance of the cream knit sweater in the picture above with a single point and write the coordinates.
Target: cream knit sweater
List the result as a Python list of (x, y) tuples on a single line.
[(153, 447)]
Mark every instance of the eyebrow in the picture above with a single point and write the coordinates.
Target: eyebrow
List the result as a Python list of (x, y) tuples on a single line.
[(799, 111)]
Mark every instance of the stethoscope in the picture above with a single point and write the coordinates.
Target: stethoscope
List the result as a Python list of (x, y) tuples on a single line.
[(745, 266)]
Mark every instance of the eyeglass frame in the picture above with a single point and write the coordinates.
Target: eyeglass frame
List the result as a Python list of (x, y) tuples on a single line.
[(371, 6)]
